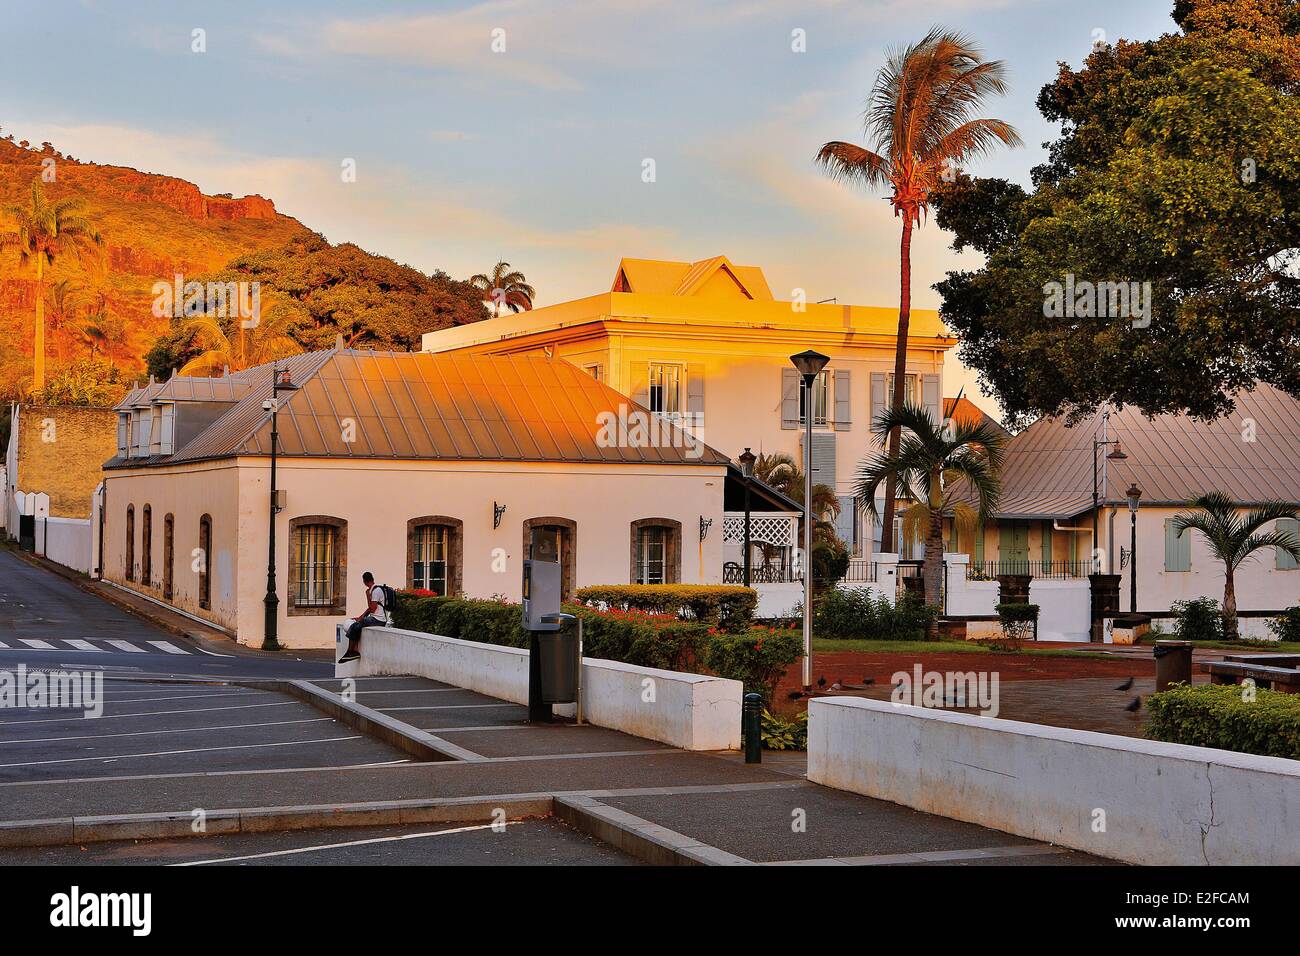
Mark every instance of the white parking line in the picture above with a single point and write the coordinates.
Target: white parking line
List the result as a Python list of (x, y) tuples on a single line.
[(137, 700), (4, 645), (389, 710), (337, 846), (128, 647), (169, 648), (148, 733), (147, 713), (84, 645), (112, 758), (37, 645)]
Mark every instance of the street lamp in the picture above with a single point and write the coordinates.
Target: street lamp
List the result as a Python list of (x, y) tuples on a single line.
[(281, 381), (1116, 455), (1134, 495), (747, 460), (809, 364)]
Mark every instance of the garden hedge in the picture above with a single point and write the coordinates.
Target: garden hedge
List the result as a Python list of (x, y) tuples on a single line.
[(1210, 715), (730, 607)]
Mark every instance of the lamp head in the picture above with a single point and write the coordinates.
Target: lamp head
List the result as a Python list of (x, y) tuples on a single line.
[(747, 459), (1117, 454), (809, 363), (1134, 495)]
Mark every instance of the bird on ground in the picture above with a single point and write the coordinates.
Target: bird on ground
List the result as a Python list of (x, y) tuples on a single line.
[(795, 695), (1133, 705), (821, 681), (1126, 685)]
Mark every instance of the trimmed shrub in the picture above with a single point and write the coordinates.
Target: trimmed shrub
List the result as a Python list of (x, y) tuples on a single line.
[(1209, 715), (730, 607), (1018, 621), (417, 610), (856, 613), (1287, 627), (757, 658), (1198, 620), (647, 640)]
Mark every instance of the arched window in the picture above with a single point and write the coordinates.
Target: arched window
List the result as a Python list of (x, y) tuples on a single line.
[(130, 542), (433, 554), (204, 558), (169, 556), (318, 565), (656, 551), (146, 546), (554, 539)]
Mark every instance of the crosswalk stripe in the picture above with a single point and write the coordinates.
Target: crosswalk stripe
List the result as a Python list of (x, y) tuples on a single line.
[(169, 648), (84, 645), (38, 645), (4, 645), (125, 646)]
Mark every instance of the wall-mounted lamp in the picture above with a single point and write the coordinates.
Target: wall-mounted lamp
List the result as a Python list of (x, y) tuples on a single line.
[(497, 512), (705, 525)]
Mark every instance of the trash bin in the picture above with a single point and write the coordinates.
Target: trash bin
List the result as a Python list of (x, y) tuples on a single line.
[(559, 660), (1173, 663)]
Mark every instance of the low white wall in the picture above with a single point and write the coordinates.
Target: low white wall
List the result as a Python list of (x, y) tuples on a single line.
[(1162, 803), (1064, 608), (67, 541), (691, 711), (1251, 628), (778, 599)]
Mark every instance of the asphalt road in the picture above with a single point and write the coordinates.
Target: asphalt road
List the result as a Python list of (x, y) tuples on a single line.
[(47, 621)]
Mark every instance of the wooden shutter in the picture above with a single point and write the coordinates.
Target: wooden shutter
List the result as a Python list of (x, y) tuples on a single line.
[(823, 458), (1178, 548), (1046, 532), (122, 449), (979, 545), (879, 400), (695, 388), (846, 522), (789, 398), (1285, 562), (843, 406), (641, 383), (167, 441), (930, 398)]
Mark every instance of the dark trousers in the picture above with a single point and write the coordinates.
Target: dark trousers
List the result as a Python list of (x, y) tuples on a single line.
[(355, 628)]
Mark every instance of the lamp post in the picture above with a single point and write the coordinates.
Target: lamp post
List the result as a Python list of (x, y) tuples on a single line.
[(747, 460), (1116, 455), (809, 364), (1134, 495), (281, 381)]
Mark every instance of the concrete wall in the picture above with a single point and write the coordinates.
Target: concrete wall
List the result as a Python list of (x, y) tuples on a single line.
[(1163, 803), (68, 541), (60, 450), (691, 711), (1064, 608), (968, 598)]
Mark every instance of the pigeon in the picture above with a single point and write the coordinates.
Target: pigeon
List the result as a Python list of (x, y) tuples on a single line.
[(837, 686), (795, 695), (1133, 705), (1126, 685), (821, 681), (868, 680)]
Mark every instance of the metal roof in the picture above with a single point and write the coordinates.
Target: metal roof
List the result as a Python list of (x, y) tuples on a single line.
[(422, 405), (194, 388)]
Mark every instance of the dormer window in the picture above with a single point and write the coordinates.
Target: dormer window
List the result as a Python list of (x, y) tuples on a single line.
[(123, 434)]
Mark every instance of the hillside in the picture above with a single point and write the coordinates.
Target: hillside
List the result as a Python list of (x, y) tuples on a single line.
[(155, 226)]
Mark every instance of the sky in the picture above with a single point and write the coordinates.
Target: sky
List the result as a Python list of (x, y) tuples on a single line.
[(520, 129)]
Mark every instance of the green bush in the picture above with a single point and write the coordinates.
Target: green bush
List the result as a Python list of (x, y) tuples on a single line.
[(778, 733), (730, 607), (757, 658), (1287, 627), (646, 640), (1198, 620), (1208, 715), (856, 613), (417, 610), (830, 562), (1019, 622)]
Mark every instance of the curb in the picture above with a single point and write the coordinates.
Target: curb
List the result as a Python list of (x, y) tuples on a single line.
[(639, 838), (418, 743), (150, 826)]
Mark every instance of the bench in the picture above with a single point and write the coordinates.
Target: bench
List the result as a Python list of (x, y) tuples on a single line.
[(1283, 679)]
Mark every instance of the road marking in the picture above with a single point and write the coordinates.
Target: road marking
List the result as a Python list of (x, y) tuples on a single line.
[(169, 648), (4, 645), (389, 710), (339, 846), (113, 758), (148, 713), (929, 856), (182, 730), (138, 700), (128, 647), (84, 645), (38, 645)]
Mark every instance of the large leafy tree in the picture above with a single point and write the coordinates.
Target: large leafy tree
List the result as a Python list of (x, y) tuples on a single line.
[(920, 123), (941, 469), (229, 346), (43, 231), (505, 286), (1178, 166), (1234, 537)]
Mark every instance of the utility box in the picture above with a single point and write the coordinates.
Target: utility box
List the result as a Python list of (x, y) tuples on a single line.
[(541, 595), (559, 663)]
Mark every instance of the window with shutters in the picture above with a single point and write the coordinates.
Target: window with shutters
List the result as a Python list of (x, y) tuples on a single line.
[(433, 554), (1178, 548), (1285, 560), (665, 388), (819, 390), (318, 565), (656, 551), (911, 396)]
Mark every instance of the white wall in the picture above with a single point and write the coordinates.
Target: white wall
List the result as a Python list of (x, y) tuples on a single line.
[(691, 711), (68, 541), (968, 598), (1064, 608), (1163, 804)]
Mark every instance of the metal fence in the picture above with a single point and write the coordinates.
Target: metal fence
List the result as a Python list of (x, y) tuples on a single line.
[(990, 570)]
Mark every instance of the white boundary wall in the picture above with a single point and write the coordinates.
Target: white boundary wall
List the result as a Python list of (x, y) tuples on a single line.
[(1164, 803), (67, 541), (1064, 608), (691, 711)]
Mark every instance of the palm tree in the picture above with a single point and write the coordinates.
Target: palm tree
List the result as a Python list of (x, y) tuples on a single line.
[(505, 286), (264, 342), (918, 118), (65, 298), (1233, 539), (780, 471), (43, 231), (939, 468)]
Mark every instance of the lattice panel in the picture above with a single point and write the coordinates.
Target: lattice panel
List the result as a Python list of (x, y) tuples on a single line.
[(763, 529)]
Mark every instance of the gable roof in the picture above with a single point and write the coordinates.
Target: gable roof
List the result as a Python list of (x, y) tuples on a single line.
[(962, 410), (1173, 458), (660, 277), (422, 405)]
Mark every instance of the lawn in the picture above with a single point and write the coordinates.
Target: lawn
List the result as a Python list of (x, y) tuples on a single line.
[(825, 645), (1272, 647)]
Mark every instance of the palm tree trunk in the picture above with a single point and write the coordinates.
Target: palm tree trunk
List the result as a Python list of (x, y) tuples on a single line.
[(38, 350), (1229, 606), (887, 543), (933, 570)]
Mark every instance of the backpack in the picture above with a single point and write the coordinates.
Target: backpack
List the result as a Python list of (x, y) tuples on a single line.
[(390, 598)]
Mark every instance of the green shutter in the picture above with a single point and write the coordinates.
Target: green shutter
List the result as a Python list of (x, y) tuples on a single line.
[(1046, 532), (979, 544), (1285, 562), (1178, 548)]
